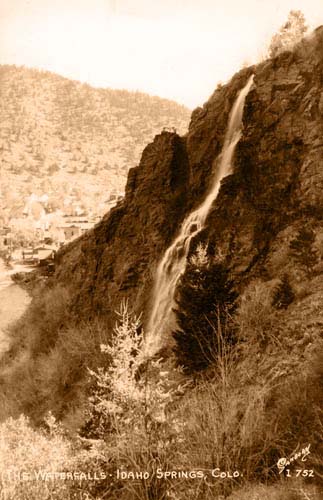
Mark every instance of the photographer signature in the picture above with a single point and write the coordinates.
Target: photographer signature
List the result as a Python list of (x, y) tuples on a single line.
[(284, 462)]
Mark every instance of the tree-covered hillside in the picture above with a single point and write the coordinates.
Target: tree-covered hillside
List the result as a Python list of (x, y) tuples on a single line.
[(60, 138)]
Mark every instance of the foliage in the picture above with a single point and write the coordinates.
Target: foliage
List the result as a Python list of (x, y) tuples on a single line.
[(289, 34), (56, 379), (255, 316), (295, 407), (30, 452), (200, 257), (37, 330), (243, 416), (301, 248), (206, 299), (290, 489), (128, 405), (246, 419), (283, 294), (129, 389)]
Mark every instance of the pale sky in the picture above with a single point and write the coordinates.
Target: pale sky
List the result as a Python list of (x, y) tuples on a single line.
[(179, 49)]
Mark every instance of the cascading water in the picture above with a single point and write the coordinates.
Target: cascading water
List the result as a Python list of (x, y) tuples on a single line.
[(173, 264)]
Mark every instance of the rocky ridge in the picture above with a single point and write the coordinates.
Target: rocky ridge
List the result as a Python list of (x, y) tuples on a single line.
[(275, 189)]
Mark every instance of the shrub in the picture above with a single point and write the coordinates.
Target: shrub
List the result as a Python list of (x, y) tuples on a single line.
[(37, 330), (24, 450), (290, 489), (301, 248), (295, 408), (283, 294), (255, 316), (289, 34), (241, 415), (130, 388), (55, 380), (235, 425), (35, 453), (127, 410)]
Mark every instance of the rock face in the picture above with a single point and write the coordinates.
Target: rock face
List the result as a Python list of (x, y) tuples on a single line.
[(115, 260), (276, 185)]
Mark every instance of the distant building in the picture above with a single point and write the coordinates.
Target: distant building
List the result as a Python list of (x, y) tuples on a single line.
[(5, 237), (74, 227), (28, 256), (44, 254), (70, 231), (38, 255)]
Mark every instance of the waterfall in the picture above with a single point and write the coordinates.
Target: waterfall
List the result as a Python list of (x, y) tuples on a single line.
[(173, 263)]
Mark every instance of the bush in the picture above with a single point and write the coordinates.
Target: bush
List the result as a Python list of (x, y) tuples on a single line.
[(290, 489), (243, 415), (130, 388), (222, 427), (301, 248), (38, 329), (127, 410), (55, 380), (233, 425), (24, 450), (289, 34), (255, 316), (295, 408), (283, 294)]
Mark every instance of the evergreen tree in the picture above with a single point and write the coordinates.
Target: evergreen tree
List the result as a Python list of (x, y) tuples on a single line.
[(289, 34), (283, 294), (301, 248), (205, 302)]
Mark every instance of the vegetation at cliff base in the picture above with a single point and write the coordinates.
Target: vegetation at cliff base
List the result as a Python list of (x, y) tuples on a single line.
[(146, 430), (205, 303), (103, 410)]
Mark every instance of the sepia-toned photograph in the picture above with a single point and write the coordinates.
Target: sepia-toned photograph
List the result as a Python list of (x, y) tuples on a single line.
[(161, 250)]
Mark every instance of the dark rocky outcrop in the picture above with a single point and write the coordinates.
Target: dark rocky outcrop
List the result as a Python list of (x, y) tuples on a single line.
[(116, 259), (277, 184)]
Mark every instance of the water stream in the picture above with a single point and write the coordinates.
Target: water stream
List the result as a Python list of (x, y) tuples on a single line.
[(173, 263), (13, 301)]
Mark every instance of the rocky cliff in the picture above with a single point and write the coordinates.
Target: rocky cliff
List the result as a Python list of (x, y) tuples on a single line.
[(276, 187)]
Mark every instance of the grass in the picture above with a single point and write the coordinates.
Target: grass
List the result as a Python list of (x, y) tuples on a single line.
[(285, 490), (24, 450), (232, 420), (255, 316), (258, 402), (38, 328), (46, 367)]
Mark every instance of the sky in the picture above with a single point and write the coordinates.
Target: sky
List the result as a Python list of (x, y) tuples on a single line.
[(178, 49)]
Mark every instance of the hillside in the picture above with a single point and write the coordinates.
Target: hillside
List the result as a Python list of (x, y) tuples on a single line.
[(233, 397), (71, 142), (276, 186)]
